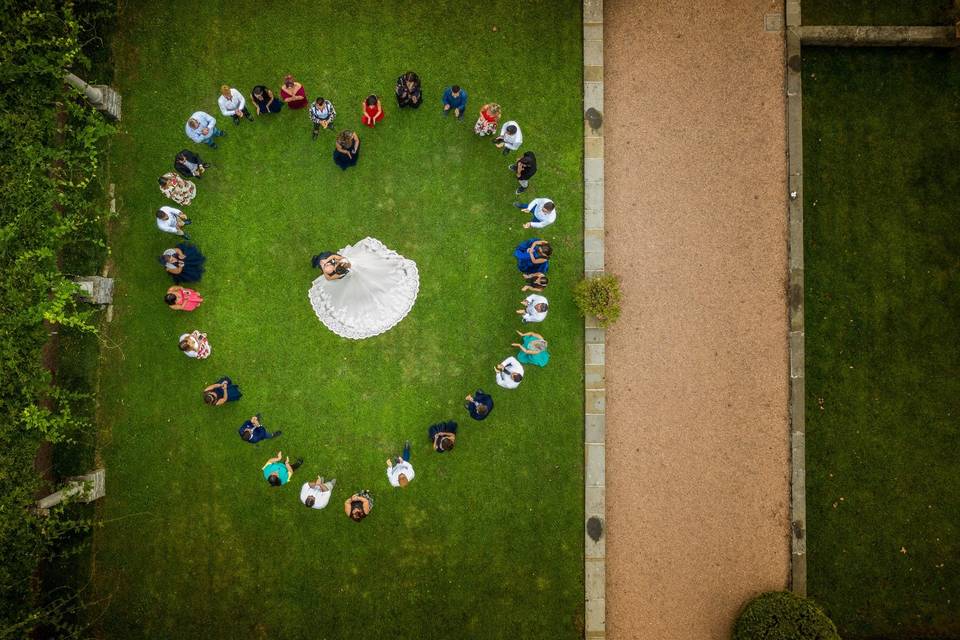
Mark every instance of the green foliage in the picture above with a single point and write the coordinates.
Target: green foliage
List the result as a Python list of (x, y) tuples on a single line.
[(782, 615), (49, 160), (599, 296)]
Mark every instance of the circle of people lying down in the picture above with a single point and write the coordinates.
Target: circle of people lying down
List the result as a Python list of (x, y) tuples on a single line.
[(185, 262)]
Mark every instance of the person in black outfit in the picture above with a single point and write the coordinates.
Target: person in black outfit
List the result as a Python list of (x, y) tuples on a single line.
[(524, 168), (479, 405), (408, 90), (443, 435), (189, 165)]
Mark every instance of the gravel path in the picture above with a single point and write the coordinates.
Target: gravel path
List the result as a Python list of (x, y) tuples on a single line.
[(697, 422)]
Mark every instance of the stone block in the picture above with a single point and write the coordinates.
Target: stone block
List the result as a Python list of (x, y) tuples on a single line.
[(594, 577), (593, 197), (593, 261), (595, 471), (592, 31), (593, 95), (595, 503), (593, 169), (594, 354), (590, 322), (594, 430), (595, 618), (796, 354), (593, 53), (593, 73), (592, 11), (593, 147), (595, 336), (95, 289), (593, 241), (595, 400), (594, 376), (593, 219)]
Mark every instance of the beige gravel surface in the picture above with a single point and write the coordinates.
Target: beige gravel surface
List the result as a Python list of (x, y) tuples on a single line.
[(697, 371)]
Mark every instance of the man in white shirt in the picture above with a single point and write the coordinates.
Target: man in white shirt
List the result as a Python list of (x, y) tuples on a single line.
[(400, 472), (534, 308), (510, 137), (233, 104), (172, 221), (542, 212), (202, 127), (317, 494), (509, 373)]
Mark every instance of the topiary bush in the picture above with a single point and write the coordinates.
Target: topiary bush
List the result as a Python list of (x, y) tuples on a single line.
[(782, 615), (599, 296)]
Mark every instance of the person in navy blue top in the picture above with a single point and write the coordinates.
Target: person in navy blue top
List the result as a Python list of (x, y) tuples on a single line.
[(454, 99), (479, 405), (443, 436), (253, 432)]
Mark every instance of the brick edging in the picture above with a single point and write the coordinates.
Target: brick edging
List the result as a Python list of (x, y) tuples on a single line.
[(798, 499), (594, 337)]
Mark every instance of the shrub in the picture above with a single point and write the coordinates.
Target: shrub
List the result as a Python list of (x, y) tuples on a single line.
[(782, 615), (599, 296)]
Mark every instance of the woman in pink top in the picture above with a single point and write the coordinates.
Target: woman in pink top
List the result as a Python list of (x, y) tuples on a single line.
[(182, 299)]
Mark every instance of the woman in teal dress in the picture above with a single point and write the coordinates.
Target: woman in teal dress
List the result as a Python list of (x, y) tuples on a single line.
[(533, 349)]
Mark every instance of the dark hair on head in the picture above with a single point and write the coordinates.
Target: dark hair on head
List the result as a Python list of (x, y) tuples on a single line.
[(258, 90), (315, 261), (542, 307), (481, 408), (446, 443), (511, 129), (209, 397), (274, 480), (319, 100), (517, 377), (371, 100), (161, 214), (185, 344), (310, 501), (455, 88), (356, 512), (247, 435), (546, 249), (549, 206), (411, 76), (162, 180), (170, 298)]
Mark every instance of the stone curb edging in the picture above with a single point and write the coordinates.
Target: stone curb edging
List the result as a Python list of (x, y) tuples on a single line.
[(798, 500), (594, 337)]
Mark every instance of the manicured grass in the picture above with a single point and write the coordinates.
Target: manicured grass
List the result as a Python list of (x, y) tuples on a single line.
[(882, 252), (487, 540), (879, 12)]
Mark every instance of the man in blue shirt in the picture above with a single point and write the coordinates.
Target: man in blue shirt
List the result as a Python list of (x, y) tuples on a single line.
[(454, 99), (202, 127), (253, 432)]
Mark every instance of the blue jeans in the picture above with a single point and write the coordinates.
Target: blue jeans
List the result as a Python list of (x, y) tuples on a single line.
[(406, 452), (209, 140)]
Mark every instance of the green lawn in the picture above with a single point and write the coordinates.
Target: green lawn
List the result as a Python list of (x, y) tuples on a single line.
[(487, 540), (880, 12), (882, 251)]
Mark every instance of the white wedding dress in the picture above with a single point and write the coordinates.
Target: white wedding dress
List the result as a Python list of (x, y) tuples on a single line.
[(376, 294)]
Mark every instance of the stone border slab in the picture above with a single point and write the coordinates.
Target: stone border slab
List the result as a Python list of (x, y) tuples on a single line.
[(798, 499), (594, 393), (878, 36)]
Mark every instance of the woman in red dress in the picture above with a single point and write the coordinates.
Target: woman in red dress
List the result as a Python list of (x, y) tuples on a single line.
[(293, 93), (372, 111)]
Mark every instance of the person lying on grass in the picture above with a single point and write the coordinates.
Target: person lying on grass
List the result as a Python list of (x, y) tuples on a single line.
[(278, 473), (221, 392)]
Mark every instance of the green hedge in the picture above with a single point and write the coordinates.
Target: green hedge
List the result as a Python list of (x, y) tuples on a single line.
[(50, 143), (782, 615)]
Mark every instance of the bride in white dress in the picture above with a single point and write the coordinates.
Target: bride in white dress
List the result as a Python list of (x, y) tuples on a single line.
[(365, 289)]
